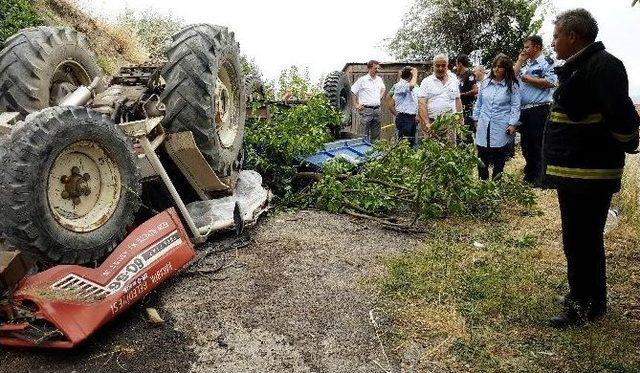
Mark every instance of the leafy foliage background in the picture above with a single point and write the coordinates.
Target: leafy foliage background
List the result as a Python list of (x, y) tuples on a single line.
[(16, 15), (463, 26)]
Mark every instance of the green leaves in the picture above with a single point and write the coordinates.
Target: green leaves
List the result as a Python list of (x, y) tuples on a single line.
[(273, 145), (434, 181), (453, 26), (16, 15), (296, 83), (449, 123)]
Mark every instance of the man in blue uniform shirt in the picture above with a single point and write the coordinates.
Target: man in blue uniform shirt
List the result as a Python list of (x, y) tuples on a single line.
[(538, 79), (406, 104)]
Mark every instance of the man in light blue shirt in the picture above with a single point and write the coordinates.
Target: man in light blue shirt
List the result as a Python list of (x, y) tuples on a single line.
[(406, 104), (537, 81)]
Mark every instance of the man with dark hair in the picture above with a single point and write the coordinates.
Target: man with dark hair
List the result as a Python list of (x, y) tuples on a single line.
[(368, 91), (592, 124), (468, 91), (538, 78), (406, 104)]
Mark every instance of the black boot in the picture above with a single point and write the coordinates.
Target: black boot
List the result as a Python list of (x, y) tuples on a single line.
[(568, 318), (575, 314)]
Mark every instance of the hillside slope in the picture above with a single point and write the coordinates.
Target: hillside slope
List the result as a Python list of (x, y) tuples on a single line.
[(115, 46)]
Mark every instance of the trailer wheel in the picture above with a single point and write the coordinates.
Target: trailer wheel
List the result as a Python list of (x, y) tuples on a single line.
[(39, 66), (205, 94), (70, 185), (253, 87), (338, 90)]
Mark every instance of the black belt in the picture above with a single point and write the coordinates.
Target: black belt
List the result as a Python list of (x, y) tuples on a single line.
[(370, 107), (533, 106), (400, 113)]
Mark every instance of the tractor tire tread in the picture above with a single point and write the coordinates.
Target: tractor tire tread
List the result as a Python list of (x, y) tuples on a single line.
[(26, 160)]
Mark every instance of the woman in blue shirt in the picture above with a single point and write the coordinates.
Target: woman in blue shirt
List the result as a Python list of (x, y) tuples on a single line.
[(496, 114)]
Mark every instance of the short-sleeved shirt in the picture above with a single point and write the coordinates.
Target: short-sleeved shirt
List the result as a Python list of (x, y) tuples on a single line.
[(368, 90), (467, 80), (441, 97), (541, 67), (405, 97)]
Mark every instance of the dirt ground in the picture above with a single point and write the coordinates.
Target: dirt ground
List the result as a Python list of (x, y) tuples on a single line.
[(296, 299)]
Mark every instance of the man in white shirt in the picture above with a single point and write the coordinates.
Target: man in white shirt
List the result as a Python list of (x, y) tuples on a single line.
[(367, 91), (438, 94)]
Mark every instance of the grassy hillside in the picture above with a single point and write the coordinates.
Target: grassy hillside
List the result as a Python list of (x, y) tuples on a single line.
[(16, 15), (115, 46)]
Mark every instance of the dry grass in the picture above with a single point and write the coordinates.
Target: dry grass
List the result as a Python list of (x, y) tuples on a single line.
[(628, 200), (459, 307), (114, 46)]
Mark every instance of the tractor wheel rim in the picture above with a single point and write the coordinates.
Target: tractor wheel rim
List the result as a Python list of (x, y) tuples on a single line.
[(67, 77), (225, 104), (83, 187)]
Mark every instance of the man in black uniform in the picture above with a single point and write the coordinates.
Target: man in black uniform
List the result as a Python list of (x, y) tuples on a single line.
[(468, 92), (592, 124)]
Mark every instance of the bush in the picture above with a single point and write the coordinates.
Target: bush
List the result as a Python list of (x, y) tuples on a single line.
[(16, 15), (153, 29), (273, 146), (433, 181)]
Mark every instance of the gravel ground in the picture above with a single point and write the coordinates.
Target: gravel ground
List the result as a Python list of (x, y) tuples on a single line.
[(296, 299)]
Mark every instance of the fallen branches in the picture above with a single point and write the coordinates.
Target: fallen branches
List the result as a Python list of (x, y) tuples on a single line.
[(433, 181), (389, 223)]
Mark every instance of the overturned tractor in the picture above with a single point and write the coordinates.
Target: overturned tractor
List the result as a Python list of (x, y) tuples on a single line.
[(120, 177), (71, 177)]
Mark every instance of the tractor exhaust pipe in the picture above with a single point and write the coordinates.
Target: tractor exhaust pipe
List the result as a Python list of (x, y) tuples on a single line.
[(81, 95)]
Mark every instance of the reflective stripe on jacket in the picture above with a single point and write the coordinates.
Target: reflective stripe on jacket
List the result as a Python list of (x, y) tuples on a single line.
[(591, 125)]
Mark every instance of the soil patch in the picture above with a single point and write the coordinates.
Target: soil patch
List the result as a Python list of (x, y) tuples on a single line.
[(296, 299)]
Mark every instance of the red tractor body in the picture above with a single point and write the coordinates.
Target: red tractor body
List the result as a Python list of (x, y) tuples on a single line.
[(62, 306)]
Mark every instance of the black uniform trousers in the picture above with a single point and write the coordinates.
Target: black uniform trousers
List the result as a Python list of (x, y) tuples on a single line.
[(531, 131), (583, 219)]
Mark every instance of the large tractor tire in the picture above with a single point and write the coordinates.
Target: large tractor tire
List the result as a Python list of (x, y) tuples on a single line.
[(338, 89), (205, 94), (70, 185), (39, 66)]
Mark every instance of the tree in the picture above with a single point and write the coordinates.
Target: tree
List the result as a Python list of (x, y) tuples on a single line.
[(296, 83), (250, 66), (464, 26)]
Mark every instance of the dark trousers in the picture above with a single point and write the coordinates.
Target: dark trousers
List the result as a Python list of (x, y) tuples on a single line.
[(495, 157), (406, 125), (583, 218), (531, 132), (469, 124), (370, 119)]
